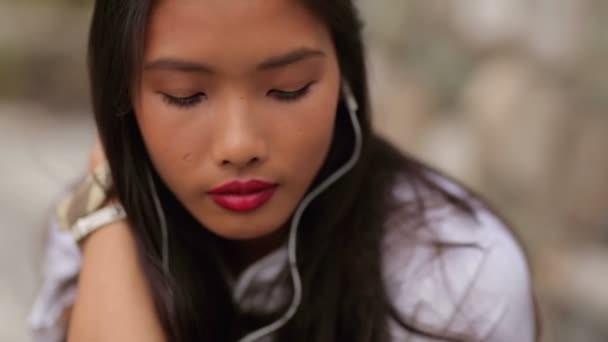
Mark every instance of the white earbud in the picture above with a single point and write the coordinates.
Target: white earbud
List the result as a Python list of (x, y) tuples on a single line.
[(349, 98)]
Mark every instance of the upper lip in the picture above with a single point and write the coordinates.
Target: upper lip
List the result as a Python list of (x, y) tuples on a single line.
[(240, 187)]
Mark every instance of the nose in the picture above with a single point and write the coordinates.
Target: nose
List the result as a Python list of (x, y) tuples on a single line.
[(238, 143)]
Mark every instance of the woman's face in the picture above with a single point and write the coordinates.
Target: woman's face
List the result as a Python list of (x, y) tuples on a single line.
[(236, 106)]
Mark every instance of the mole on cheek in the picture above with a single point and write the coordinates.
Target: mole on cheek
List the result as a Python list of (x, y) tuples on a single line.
[(187, 157)]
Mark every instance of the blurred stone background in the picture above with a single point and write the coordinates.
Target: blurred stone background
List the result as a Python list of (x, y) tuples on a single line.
[(508, 96)]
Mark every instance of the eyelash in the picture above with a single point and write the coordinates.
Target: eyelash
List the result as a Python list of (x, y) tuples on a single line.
[(184, 102), (279, 95), (289, 96)]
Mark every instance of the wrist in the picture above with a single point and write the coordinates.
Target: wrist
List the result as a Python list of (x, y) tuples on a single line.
[(100, 218), (92, 205)]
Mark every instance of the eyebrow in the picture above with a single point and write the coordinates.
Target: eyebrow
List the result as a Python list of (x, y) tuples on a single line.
[(271, 63)]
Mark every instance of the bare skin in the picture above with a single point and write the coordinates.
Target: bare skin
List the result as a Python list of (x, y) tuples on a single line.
[(212, 104), (212, 108), (114, 302)]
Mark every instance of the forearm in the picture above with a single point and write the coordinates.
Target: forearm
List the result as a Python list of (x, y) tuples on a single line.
[(114, 301)]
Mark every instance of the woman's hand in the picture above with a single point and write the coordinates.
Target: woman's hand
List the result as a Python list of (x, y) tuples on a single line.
[(114, 302)]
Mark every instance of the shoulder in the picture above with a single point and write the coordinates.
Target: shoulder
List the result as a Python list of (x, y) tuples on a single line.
[(457, 271)]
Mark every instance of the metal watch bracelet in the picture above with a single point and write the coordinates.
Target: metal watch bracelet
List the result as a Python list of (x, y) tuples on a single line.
[(86, 225)]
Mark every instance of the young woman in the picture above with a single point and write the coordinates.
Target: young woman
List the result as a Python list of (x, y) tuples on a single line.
[(252, 201)]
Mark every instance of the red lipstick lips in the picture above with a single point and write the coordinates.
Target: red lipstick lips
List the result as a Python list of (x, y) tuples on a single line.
[(243, 196)]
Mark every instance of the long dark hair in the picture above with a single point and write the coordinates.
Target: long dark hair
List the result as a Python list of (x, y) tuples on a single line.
[(344, 298)]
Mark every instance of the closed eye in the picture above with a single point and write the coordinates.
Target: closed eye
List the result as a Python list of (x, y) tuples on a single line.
[(288, 96), (184, 102)]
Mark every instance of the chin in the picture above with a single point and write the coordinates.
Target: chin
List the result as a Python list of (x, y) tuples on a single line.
[(243, 229)]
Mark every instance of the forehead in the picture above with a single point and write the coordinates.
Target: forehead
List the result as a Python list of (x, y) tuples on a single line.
[(232, 32)]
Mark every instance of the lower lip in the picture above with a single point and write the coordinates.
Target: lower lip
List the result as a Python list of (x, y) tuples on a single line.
[(243, 203)]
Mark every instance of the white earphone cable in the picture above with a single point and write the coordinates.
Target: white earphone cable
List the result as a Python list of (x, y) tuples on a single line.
[(352, 106)]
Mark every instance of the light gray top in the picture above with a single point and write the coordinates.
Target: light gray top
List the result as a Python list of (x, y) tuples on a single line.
[(481, 287)]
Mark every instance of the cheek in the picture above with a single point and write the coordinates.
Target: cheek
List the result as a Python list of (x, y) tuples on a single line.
[(307, 140), (313, 139), (170, 139)]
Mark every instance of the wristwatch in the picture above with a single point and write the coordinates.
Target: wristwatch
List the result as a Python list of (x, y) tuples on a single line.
[(86, 225), (86, 209)]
